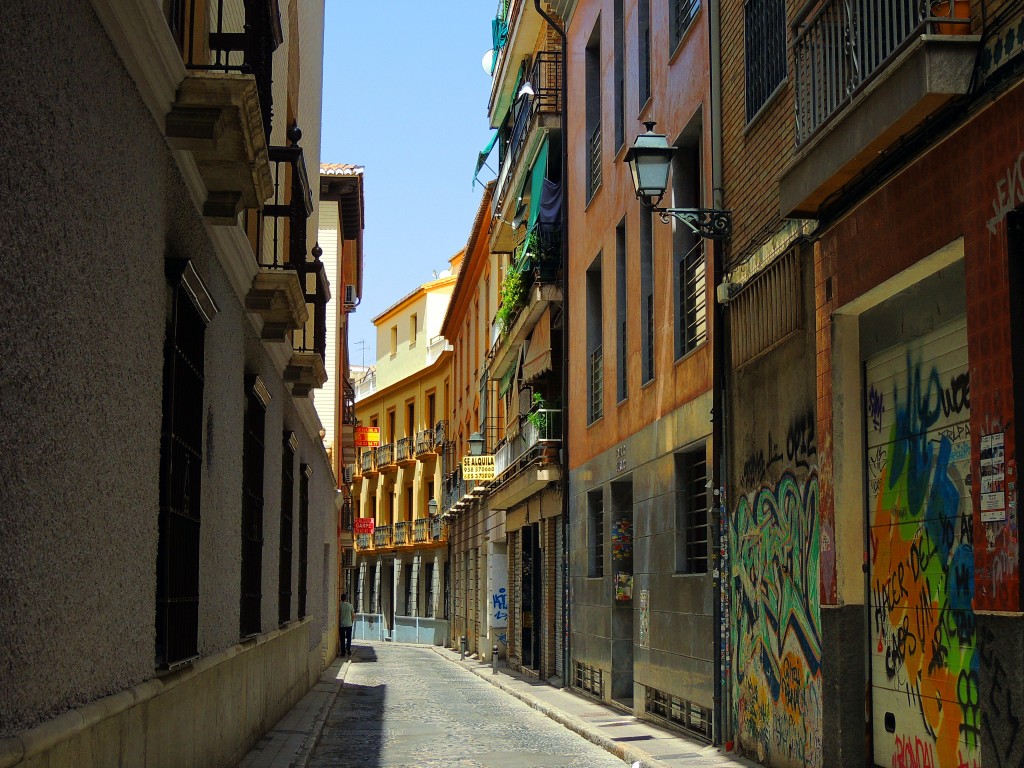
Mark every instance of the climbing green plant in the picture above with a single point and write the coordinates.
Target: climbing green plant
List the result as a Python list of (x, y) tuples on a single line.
[(536, 416)]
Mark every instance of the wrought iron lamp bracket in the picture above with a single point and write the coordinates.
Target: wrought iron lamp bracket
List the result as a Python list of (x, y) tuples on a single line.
[(704, 222)]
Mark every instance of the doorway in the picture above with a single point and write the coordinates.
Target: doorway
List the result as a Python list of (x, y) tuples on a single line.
[(621, 542), (532, 618)]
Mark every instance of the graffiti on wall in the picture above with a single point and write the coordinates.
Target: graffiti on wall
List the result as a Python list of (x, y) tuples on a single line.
[(774, 543), (924, 668)]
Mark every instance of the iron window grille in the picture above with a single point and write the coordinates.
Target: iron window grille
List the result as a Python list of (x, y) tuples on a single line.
[(284, 603), (252, 507), (597, 384), (683, 14), (304, 476), (644, 47), (181, 461), (594, 161), (686, 714), (589, 680), (765, 51), (692, 299), (692, 526)]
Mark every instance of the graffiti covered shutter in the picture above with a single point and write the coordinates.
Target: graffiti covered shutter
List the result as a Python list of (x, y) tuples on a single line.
[(924, 666)]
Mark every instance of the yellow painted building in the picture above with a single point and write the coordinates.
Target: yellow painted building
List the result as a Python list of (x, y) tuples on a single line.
[(401, 541)]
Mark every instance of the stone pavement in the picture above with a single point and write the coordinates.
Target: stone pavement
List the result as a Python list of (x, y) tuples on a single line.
[(292, 741)]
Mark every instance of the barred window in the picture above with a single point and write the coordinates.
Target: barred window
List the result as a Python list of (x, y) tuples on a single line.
[(252, 506), (692, 528), (181, 463), (683, 14), (284, 595), (765, 43), (304, 476), (595, 342)]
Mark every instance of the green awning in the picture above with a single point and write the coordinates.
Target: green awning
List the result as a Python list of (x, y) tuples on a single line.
[(507, 378), (481, 158), (539, 173)]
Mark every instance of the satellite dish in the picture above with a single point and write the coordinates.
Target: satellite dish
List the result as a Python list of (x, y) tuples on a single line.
[(488, 61)]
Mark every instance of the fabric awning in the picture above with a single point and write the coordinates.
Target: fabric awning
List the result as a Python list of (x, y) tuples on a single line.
[(482, 156), (537, 176), (538, 357)]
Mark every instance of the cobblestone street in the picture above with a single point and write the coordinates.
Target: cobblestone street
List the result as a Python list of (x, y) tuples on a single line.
[(407, 706)]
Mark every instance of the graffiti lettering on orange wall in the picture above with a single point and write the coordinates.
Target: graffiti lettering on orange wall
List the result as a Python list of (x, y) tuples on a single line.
[(777, 641), (922, 587)]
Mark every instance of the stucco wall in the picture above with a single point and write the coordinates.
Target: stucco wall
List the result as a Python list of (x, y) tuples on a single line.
[(95, 202)]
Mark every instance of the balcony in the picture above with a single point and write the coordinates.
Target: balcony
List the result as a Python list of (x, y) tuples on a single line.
[(277, 293), (306, 370), (438, 529), (367, 385), (439, 434), (403, 533), (348, 422), (424, 443), (223, 109), (865, 75), (524, 27), (383, 537), (523, 133), (526, 462), (404, 452), (386, 458), (352, 472), (421, 531), (368, 463), (537, 297), (364, 542), (435, 347), (348, 516)]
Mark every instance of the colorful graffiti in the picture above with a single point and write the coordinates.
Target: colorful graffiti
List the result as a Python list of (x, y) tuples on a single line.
[(774, 543), (926, 709)]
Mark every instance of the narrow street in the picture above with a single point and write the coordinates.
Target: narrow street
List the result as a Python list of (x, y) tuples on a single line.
[(407, 706)]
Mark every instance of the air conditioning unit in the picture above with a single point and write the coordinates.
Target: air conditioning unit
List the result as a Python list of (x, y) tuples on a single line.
[(350, 295)]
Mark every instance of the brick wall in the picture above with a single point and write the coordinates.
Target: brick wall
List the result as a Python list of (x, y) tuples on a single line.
[(963, 186)]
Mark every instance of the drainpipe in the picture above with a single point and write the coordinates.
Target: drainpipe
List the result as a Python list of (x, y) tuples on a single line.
[(563, 127), (719, 431)]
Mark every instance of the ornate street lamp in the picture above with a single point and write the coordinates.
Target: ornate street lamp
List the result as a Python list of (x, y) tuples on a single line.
[(649, 160), (432, 507), (476, 444)]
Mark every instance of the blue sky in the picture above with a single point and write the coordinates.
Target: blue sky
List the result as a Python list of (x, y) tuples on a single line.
[(405, 95)]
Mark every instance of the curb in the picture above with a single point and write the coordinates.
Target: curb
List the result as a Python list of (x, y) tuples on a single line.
[(621, 751), (302, 759)]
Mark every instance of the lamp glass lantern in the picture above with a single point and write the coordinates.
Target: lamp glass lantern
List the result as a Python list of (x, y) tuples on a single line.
[(649, 161), (476, 444), (432, 507)]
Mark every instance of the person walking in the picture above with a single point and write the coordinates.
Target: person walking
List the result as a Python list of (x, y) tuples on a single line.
[(346, 616)]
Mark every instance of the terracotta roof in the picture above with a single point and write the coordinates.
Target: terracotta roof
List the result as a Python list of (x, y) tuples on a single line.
[(340, 169)]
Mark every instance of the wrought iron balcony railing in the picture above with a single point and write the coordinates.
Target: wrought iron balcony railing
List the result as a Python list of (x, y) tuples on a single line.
[(541, 428), (281, 245), (424, 441), (367, 462), (364, 541), (597, 383), (348, 404), (230, 36), (348, 515), (403, 449), (383, 537), (546, 80), (844, 45), (352, 471), (438, 529), (421, 531), (385, 455), (403, 533), (439, 433)]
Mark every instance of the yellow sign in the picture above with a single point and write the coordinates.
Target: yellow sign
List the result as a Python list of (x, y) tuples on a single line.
[(477, 467), (367, 437)]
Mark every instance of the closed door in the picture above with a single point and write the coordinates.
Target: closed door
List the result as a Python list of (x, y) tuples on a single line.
[(924, 663)]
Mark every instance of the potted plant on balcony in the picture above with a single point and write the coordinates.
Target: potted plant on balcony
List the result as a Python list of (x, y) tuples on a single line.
[(537, 416), (510, 298)]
